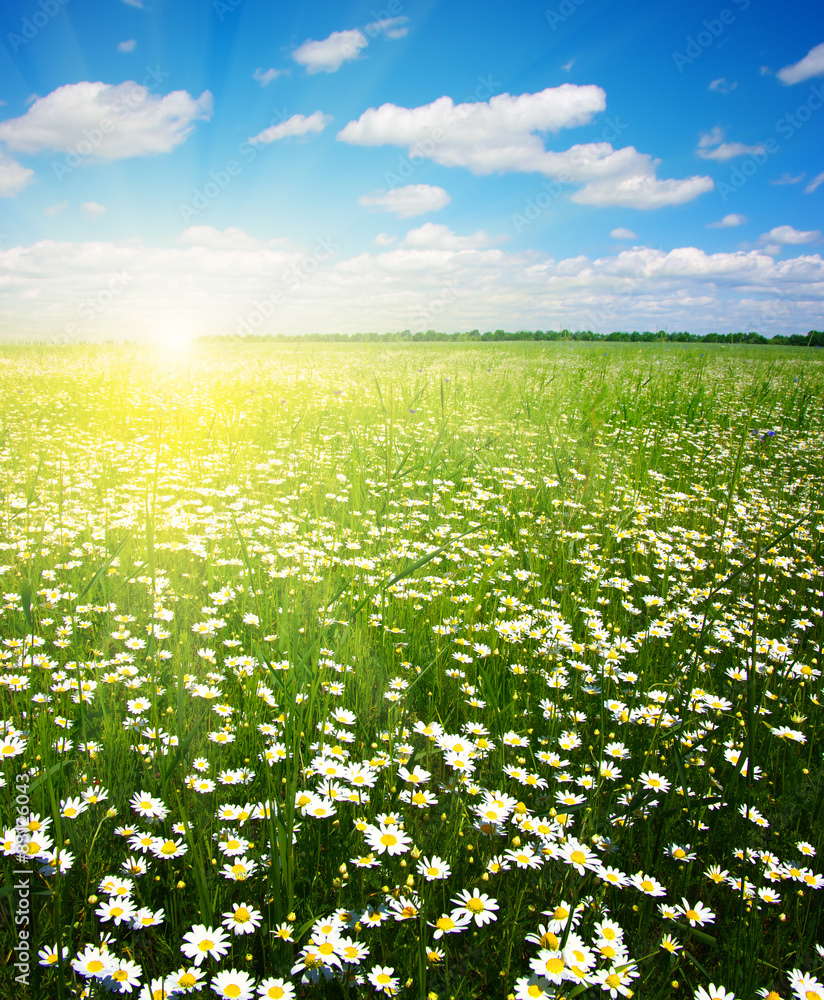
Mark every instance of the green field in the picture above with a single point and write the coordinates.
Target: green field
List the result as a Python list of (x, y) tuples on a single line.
[(476, 670)]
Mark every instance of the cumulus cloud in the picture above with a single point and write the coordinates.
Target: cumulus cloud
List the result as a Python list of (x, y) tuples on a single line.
[(712, 147), (414, 199), (722, 85), (502, 136), (92, 209), (811, 65), (814, 183), (789, 236), (431, 236), (733, 219), (328, 55), (265, 76), (220, 289), (623, 234), (115, 122), (384, 240), (231, 238), (127, 46), (13, 176), (296, 125)]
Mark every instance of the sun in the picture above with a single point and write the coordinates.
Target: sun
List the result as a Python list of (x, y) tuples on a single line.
[(174, 340)]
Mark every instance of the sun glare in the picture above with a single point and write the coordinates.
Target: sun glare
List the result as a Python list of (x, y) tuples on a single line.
[(174, 340)]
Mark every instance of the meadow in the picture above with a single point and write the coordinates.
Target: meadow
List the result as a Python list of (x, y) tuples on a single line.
[(448, 671)]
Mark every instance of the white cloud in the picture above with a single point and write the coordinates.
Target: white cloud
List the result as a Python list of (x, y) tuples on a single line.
[(134, 3), (786, 178), (623, 234), (265, 77), (712, 147), (108, 122), (814, 183), (328, 55), (392, 27), (384, 240), (127, 46), (733, 219), (231, 238), (811, 65), (431, 236), (722, 85), (567, 66), (296, 125), (787, 235), (499, 136), (414, 199), (13, 176), (218, 289), (92, 209), (55, 209)]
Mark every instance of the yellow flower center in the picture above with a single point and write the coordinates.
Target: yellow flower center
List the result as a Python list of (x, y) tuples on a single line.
[(614, 981), (555, 965), (242, 915), (577, 857), (232, 990), (206, 945), (95, 965), (389, 839), (476, 905)]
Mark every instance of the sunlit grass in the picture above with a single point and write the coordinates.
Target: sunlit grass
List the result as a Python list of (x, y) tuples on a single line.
[(405, 655)]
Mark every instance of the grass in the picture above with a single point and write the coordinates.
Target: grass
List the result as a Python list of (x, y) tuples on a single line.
[(576, 590)]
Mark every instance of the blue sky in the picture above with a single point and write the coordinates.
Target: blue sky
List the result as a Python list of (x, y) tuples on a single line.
[(172, 167)]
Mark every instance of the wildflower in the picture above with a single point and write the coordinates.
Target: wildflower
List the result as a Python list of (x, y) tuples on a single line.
[(525, 857), (145, 917), (616, 980), (655, 782), (384, 839), (382, 978), (72, 808), (167, 849), (276, 989), (352, 952), (697, 915), (118, 910), (123, 976), (579, 856), (713, 992), (202, 941), (669, 943), (533, 988), (805, 986), (92, 962), (242, 919), (647, 884), (454, 924), (184, 980), (51, 955), (478, 905), (148, 806), (233, 984), (240, 870), (283, 931), (434, 868)]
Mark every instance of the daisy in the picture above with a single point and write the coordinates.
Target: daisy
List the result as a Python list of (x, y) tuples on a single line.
[(697, 915), (805, 986), (51, 955), (118, 910), (389, 840), (276, 989), (149, 806), (233, 984), (713, 992), (533, 988), (434, 868), (92, 963), (655, 782), (617, 980), (647, 884), (551, 965), (123, 976), (145, 917), (283, 931), (240, 870), (184, 979), (477, 904), (454, 924), (202, 941), (167, 849), (352, 952), (243, 919), (382, 978), (374, 916), (72, 808), (525, 857)]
